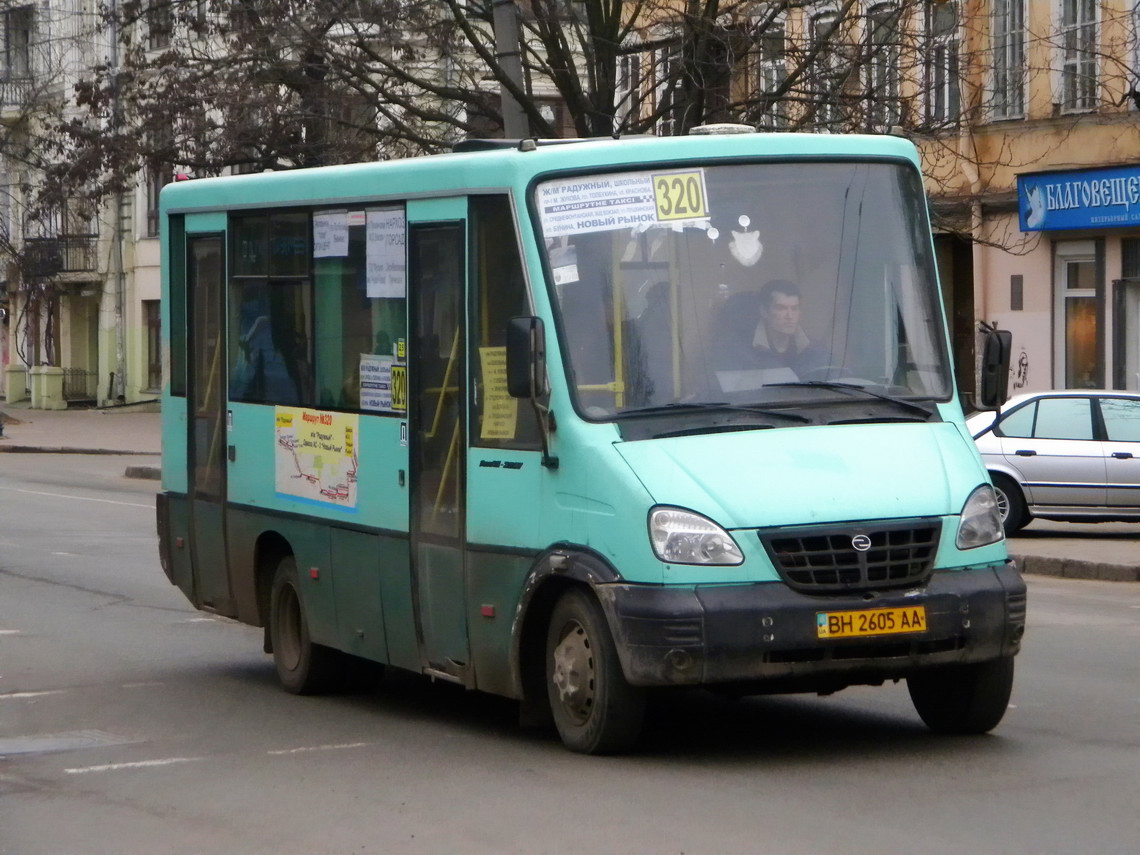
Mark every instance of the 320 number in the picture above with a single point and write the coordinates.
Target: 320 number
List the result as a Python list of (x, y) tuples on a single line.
[(679, 196)]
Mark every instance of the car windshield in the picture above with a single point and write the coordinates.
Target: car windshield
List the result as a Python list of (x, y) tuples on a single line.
[(770, 283)]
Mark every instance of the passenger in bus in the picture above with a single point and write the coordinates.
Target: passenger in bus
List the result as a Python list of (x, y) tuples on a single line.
[(779, 340)]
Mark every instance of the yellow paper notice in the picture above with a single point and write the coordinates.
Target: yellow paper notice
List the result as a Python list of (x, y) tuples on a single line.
[(500, 410)]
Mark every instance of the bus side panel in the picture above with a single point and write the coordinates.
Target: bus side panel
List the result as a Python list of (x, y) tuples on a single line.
[(494, 580), (382, 494), (174, 445), (309, 542), (396, 602), (360, 618), (175, 540)]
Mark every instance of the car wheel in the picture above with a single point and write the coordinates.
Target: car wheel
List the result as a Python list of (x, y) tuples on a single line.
[(304, 668), (595, 710), (963, 698), (1011, 504)]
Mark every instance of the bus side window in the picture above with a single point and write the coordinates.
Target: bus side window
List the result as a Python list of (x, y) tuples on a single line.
[(358, 323), (270, 310), (498, 293)]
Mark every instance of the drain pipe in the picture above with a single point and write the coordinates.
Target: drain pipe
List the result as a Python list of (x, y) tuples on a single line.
[(118, 378)]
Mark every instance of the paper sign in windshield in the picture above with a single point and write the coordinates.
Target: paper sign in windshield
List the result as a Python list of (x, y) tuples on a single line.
[(330, 234), (386, 269), (624, 200)]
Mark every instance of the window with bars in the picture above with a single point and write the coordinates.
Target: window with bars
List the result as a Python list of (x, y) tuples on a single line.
[(943, 95), (1079, 59), (1007, 100)]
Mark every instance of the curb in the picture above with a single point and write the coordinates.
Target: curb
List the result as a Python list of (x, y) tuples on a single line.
[(1069, 568), (39, 449), (147, 473)]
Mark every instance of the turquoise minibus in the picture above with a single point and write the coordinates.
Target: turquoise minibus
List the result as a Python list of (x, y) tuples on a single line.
[(576, 422)]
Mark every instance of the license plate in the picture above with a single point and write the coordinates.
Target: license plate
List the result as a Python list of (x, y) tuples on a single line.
[(854, 624)]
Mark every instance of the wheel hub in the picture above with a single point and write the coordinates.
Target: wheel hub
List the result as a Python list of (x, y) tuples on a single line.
[(574, 672)]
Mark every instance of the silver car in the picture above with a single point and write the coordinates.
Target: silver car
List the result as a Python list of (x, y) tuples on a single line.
[(1066, 455)]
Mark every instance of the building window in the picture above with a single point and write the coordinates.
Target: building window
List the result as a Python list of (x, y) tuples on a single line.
[(883, 67), (152, 317), (18, 42), (159, 24), (155, 181), (1008, 28), (766, 71), (943, 96), (666, 71), (827, 75), (627, 98), (1079, 58)]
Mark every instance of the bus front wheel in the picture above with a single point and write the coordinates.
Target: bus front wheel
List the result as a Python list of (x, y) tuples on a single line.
[(595, 710), (963, 698), (303, 667)]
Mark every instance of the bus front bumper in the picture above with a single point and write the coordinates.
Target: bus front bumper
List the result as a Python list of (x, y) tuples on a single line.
[(766, 633)]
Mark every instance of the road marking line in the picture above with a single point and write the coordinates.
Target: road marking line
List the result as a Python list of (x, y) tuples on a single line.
[(319, 748), (140, 764), (19, 696), (10, 631), (68, 554), (77, 498)]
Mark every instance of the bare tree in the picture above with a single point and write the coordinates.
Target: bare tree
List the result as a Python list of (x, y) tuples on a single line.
[(210, 85)]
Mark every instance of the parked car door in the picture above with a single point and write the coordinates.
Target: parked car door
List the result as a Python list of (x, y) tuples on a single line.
[(1121, 450), (1052, 444)]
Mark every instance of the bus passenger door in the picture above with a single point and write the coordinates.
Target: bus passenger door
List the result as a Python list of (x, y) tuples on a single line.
[(207, 435), (437, 378)]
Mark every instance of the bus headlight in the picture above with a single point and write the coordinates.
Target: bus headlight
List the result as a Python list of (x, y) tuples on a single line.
[(683, 537), (981, 521)]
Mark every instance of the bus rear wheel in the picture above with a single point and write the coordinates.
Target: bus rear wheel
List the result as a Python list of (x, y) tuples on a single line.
[(304, 668), (963, 698), (595, 710)]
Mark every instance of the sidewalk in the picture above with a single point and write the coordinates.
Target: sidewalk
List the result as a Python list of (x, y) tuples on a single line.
[(1104, 551), (134, 430)]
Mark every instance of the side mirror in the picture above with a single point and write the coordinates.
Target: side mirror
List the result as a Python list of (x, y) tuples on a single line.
[(995, 369), (526, 358)]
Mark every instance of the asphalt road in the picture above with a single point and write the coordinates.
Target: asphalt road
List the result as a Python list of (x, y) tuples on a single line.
[(131, 724)]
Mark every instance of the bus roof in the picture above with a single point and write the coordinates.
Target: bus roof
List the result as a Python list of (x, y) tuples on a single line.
[(500, 166)]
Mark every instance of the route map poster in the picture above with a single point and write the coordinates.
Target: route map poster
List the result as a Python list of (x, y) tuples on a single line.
[(316, 457)]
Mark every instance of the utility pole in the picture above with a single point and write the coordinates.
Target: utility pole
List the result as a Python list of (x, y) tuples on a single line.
[(509, 55)]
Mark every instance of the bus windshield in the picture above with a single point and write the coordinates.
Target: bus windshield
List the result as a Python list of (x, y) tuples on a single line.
[(763, 283)]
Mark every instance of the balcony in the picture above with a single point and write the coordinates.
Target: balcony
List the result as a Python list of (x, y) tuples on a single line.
[(14, 92), (47, 257)]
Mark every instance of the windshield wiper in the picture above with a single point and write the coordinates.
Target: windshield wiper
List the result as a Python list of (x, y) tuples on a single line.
[(713, 406), (828, 384)]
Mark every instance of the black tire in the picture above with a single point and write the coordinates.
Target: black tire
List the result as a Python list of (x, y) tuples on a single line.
[(303, 667), (963, 698), (595, 710), (1011, 504)]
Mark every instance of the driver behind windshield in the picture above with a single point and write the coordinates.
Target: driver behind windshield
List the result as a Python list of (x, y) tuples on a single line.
[(779, 340)]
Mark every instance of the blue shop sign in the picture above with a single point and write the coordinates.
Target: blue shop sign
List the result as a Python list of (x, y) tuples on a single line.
[(1083, 199)]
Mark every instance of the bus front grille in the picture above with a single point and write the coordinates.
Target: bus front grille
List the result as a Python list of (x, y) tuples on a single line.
[(854, 557)]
